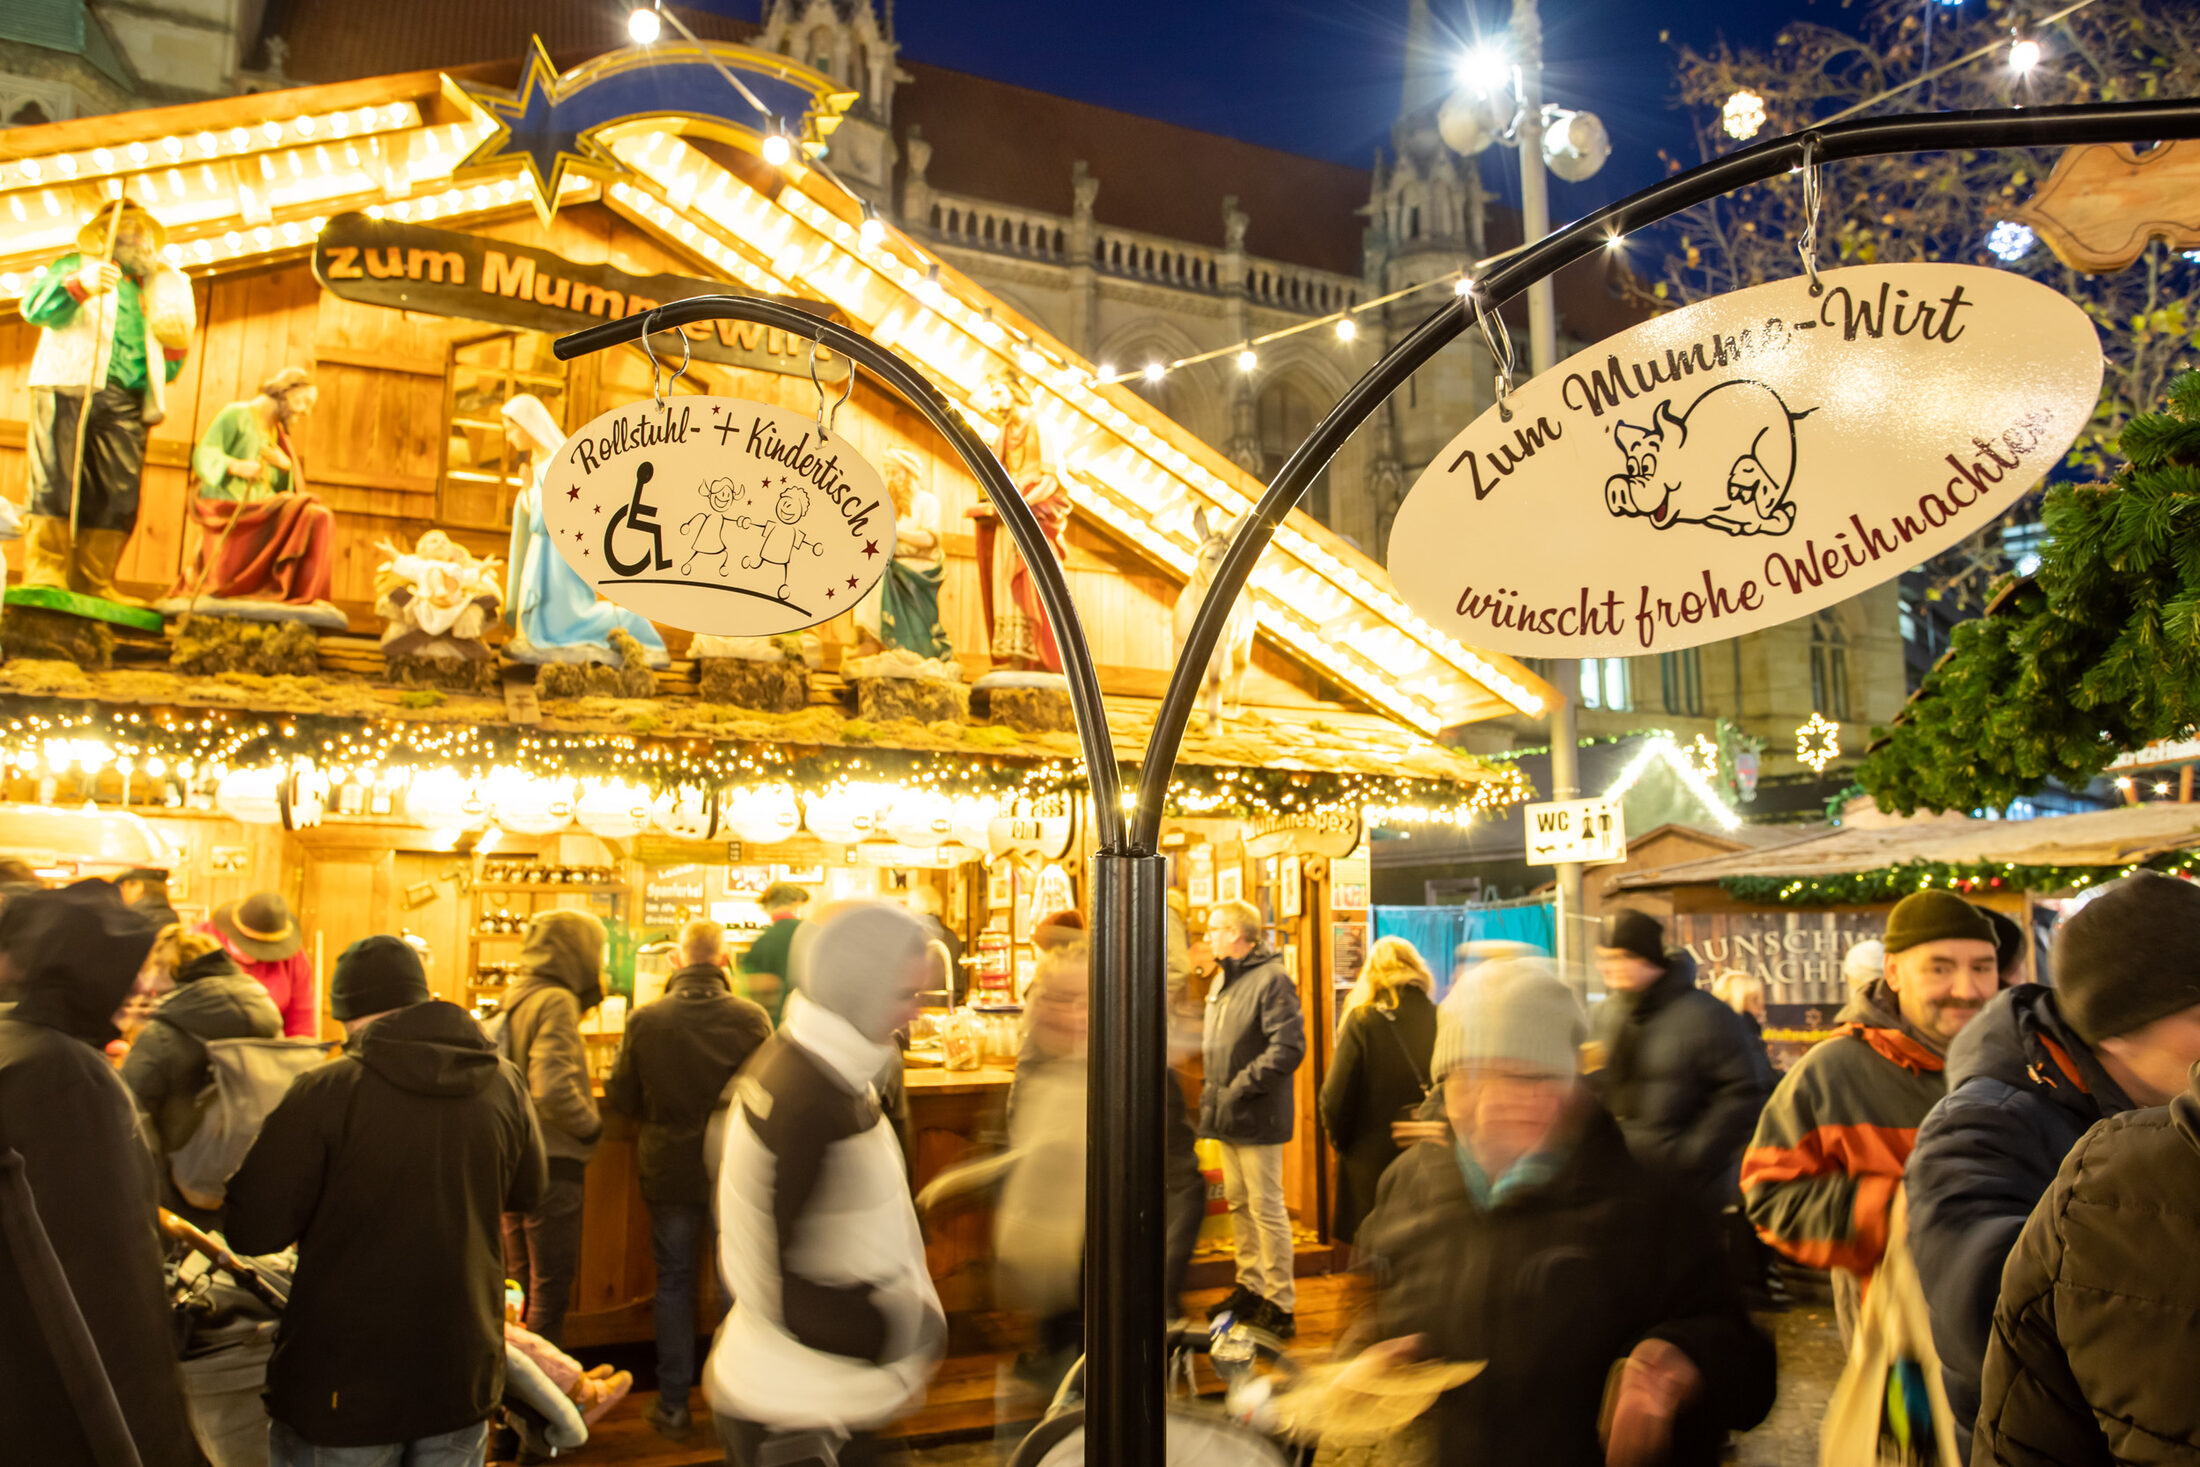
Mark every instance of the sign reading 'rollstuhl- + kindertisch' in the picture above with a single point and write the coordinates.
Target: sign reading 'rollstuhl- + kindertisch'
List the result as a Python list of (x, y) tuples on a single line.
[(1746, 460), (719, 515)]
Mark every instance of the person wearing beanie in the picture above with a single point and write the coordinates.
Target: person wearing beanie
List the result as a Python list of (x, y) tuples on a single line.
[(389, 1168), (1681, 1073), (2011, 946), (537, 1026), (835, 1327), (1530, 1237), (2031, 1075), (1822, 1178), (75, 1173), (1251, 1043), (2090, 1359), (1863, 964), (764, 967)]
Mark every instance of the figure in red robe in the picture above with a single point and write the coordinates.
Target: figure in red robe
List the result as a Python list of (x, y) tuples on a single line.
[(1017, 632)]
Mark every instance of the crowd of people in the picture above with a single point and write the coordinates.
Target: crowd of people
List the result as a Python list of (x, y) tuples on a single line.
[(1581, 1199)]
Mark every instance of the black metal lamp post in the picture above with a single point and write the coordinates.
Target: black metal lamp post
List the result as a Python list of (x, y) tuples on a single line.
[(1123, 1238)]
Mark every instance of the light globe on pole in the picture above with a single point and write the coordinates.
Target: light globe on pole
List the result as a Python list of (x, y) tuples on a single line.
[(644, 26), (1743, 116)]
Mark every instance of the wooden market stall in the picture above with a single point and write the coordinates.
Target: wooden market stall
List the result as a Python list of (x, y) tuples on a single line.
[(1787, 913), (455, 812)]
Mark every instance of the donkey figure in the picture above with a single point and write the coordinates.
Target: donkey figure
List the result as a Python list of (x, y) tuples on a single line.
[(1224, 676)]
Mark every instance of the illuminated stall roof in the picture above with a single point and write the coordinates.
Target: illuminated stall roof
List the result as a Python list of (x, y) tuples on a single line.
[(672, 138)]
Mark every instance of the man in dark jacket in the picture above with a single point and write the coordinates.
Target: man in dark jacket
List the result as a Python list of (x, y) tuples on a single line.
[(389, 1168), (77, 1197), (1680, 1074), (1823, 1173), (2026, 1079), (538, 1028), (1530, 1238), (2091, 1359), (672, 1070), (166, 1069), (1250, 1046)]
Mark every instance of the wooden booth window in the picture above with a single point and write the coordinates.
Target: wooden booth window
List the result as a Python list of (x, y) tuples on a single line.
[(482, 469)]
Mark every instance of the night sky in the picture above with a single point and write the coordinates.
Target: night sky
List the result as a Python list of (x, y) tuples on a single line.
[(1321, 77)]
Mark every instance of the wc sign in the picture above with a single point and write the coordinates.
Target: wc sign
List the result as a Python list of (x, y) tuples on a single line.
[(1575, 833)]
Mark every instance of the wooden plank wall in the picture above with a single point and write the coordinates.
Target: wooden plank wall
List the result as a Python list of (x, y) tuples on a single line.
[(374, 448)]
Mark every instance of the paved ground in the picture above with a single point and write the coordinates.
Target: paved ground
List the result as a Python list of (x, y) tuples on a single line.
[(1810, 1363)]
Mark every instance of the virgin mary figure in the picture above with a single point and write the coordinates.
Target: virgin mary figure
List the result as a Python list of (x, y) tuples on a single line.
[(1019, 637), (545, 599)]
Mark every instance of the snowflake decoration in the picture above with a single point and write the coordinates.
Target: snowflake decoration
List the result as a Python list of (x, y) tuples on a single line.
[(1743, 115), (1704, 755), (1818, 743), (2008, 241)]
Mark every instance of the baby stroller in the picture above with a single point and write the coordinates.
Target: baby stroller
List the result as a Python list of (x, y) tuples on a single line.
[(225, 1313), (1201, 1430)]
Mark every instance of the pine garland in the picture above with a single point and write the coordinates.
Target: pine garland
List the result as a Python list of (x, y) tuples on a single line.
[(1975, 878), (2097, 655)]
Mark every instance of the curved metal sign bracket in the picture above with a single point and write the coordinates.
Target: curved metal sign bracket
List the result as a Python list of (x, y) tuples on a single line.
[(1123, 1252)]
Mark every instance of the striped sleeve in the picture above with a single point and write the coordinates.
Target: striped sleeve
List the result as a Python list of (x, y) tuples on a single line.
[(1820, 1175)]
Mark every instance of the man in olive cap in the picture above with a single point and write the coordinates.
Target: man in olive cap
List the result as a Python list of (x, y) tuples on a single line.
[(1822, 1179), (390, 1169)]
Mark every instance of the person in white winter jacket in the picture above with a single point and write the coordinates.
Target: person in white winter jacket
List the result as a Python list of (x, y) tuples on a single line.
[(835, 1328)]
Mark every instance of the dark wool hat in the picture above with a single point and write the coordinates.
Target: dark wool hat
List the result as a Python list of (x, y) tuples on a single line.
[(2129, 956), (2008, 939), (1935, 916), (375, 975), (1637, 932)]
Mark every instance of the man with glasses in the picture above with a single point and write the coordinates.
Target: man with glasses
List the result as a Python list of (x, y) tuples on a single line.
[(1251, 1044)]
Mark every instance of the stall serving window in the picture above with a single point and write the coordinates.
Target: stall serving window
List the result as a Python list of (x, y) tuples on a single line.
[(482, 469)]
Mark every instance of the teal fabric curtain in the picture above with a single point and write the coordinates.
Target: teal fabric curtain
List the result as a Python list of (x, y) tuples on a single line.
[(1436, 932)]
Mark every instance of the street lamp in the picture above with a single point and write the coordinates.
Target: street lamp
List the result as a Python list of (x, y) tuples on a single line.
[(1490, 106), (643, 25), (2024, 54), (1743, 115)]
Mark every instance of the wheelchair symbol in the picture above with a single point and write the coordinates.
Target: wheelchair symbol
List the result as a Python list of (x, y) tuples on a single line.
[(640, 517)]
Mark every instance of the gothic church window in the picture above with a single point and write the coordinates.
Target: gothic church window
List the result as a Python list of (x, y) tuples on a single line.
[(1829, 668)]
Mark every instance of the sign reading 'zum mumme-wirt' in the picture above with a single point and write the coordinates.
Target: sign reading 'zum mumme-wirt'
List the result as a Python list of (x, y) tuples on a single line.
[(1746, 461), (411, 267)]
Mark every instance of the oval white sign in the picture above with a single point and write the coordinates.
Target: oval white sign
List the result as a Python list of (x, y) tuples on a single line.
[(1746, 460), (719, 515)]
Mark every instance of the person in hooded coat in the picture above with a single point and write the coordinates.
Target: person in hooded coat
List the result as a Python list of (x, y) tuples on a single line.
[(538, 1028), (1681, 1073), (389, 1168), (64, 1113), (2036, 1070), (166, 1069)]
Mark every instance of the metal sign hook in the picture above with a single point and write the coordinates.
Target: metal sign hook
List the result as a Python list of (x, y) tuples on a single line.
[(825, 421), (1500, 344), (660, 384), (1813, 198)]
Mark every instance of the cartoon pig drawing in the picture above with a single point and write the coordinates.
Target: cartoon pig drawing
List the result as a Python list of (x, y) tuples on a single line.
[(1726, 462)]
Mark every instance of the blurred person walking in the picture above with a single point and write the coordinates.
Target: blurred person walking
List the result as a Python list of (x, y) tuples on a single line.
[(1380, 1072), (835, 1327), (86, 1346), (1532, 1238), (2032, 1074), (1680, 1074), (675, 1062), (1823, 1175), (267, 945), (389, 1168), (145, 891), (537, 1027), (764, 965), (1250, 1046)]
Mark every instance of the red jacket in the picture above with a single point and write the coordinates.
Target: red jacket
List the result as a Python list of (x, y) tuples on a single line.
[(288, 981)]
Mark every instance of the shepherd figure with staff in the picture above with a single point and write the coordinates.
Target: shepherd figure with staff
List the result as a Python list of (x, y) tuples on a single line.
[(115, 324)]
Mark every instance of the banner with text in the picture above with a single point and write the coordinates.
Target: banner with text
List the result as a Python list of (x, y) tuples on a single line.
[(1746, 460)]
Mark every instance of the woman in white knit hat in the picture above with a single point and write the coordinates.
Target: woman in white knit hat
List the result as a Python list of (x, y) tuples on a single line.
[(1529, 1238)]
